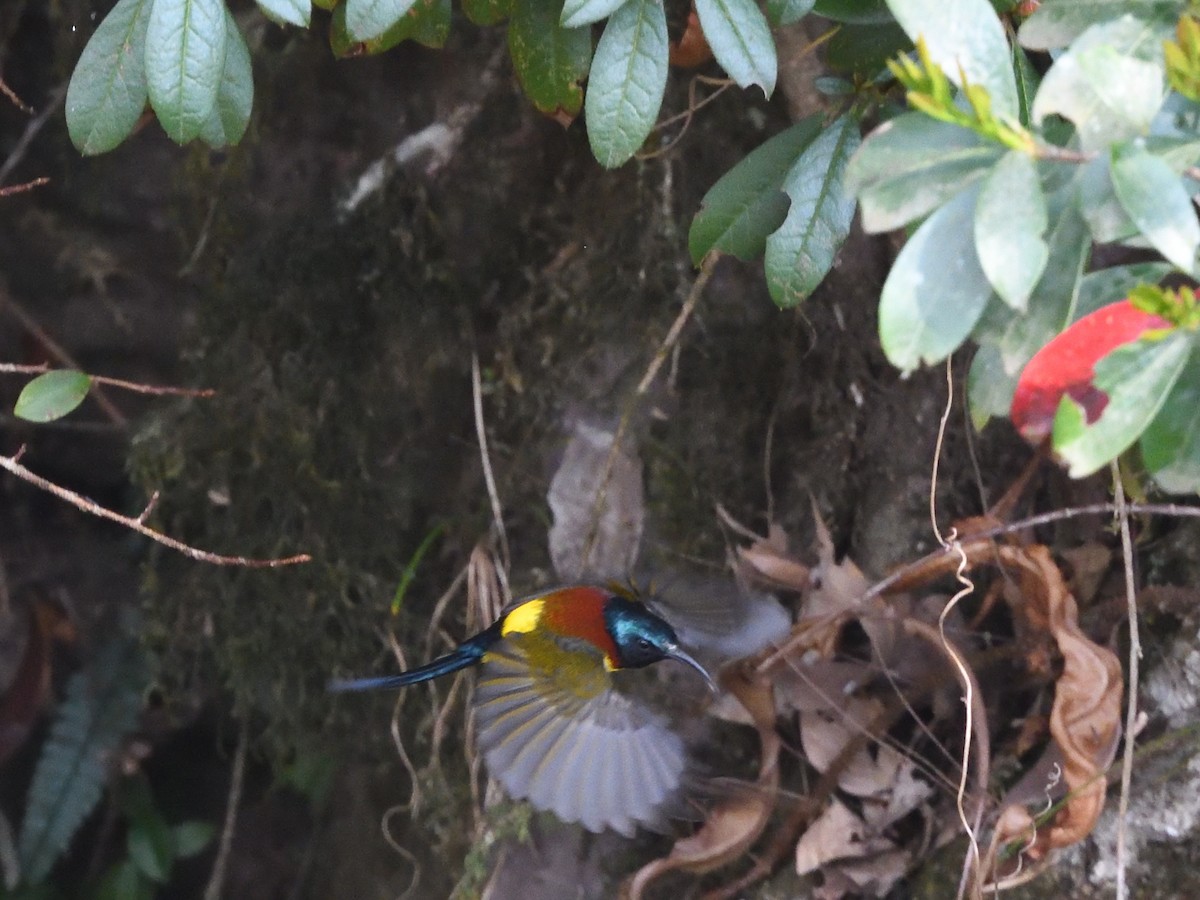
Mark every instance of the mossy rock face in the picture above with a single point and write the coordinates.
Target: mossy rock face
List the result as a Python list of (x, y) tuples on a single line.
[(335, 353)]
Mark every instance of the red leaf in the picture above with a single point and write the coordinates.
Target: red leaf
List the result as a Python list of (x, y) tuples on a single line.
[(1066, 365), (691, 50)]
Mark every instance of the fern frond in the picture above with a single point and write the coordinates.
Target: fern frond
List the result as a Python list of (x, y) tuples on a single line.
[(101, 707)]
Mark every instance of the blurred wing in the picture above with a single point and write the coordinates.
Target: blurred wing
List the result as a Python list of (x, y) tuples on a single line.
[(553, 730), (719, 616)]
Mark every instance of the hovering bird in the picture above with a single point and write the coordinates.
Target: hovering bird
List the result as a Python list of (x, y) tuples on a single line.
[(552, 724)]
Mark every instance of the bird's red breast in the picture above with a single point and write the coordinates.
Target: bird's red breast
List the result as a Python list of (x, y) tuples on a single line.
[(575, 612)]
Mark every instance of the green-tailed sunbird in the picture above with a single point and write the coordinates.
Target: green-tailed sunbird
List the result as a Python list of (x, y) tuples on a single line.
[(552, 726)]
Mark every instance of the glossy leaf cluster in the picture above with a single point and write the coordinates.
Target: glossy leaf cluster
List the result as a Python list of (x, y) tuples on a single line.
[(187, 58), (1028, 139), (1009, 183)]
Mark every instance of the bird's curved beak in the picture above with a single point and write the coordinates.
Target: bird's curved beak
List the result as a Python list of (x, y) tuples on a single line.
[(676, 653)]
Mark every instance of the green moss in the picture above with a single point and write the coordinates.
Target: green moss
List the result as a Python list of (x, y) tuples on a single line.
[(334, 354)]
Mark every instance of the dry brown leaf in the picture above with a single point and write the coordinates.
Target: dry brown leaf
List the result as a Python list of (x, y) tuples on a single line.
[(875, 875), (836, 834), (838, 587), (772, 568), (825, 735), (906, 794), (1085, 720), (852, 857), (734, 825), (813, 683)]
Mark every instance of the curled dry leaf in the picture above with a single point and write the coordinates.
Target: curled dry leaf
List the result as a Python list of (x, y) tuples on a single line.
[(774, 569), (735, 824), (1085, 720), (767, 562)]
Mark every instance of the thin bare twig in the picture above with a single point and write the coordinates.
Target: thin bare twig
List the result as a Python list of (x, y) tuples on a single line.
[(10, 189), (30, 324), (1135, 655), (14, 99), (136, 524), (664, 351), (216, 880), (136, 386), (1073, 512), (687, 115), (488, 477), (31, 130)]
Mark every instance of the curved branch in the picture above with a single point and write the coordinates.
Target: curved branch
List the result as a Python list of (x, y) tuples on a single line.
[(12, 464)]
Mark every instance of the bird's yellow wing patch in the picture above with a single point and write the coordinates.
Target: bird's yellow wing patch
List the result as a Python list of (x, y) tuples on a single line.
[(524, 618)]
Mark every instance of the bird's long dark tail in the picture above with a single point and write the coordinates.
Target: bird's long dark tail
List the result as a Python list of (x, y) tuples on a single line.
[(466, 654)]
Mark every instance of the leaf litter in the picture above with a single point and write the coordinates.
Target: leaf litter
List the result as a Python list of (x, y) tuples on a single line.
[(878, 711)]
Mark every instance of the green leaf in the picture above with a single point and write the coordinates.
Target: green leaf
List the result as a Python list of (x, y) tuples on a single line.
[(1110, 83), (107, 92), (124, 882), (990, 386), (1105, 217), (911, 165), (426, 23), (801, 252), (1171, 443), (576, 13), (487, 12), (740, 40), (1109, 285), (152, 849), (747, 203), (149, 841), (1028, 81), (100, 709), (967, 40), (864, 50), (293, 12), (1053, 301), (185, 58), (1155, 200), (936, 290), (191, 838), (369, 19), (861, 12), (52, 395), (1010, 221), (1058, 22), (551, 61), (1137, 378), (235, 97), (629, 75), (788, 12)]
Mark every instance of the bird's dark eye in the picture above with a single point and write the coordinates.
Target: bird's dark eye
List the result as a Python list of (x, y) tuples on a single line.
[(643, 644)]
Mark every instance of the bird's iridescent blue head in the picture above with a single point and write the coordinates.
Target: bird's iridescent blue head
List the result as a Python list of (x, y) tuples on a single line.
[(642, 638)]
